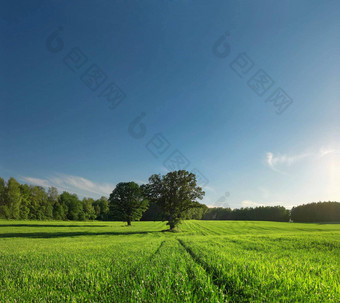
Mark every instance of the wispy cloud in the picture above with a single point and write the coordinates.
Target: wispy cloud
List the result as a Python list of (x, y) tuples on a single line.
[(248, 203), (36, 181), (278, 161), (74, 184), (324, 151)]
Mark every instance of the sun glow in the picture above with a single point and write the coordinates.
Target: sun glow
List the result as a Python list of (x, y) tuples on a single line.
[(333, 189)]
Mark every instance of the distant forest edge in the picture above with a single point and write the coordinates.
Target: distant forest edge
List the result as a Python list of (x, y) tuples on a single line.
[(22, 201)]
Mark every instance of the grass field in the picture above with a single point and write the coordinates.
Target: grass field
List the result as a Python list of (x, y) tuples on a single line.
[(209, 261)]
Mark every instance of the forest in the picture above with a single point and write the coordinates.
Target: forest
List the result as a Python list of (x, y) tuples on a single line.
[(23, 201)]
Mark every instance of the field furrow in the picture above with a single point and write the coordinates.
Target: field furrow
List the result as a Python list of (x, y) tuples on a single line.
[(214, 261)]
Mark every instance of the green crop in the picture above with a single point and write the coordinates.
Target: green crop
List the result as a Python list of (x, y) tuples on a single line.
[(208, 261)]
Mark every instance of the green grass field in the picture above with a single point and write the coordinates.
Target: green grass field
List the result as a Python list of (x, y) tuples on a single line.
[(209, 261)]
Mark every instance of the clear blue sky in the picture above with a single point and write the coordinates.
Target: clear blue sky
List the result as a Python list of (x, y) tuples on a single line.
[(195, 88)]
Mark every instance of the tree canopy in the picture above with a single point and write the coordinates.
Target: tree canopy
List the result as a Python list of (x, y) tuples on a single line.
[(260, 213), (128, 202), (316, 212), (176, 193), (22, 201)]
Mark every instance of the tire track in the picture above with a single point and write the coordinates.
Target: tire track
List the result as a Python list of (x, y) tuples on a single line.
[(210, 230), (157, 250), (133, 269), (204, 265), (226, 287)]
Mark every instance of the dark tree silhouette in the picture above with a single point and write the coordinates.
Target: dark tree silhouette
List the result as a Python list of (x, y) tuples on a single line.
[(316, 212), (176, 193), (128, 202)]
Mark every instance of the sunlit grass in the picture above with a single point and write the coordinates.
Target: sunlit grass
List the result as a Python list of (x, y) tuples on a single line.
[(209, 261)]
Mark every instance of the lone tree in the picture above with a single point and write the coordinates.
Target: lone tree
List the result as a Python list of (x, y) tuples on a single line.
[(128, 202), (175, 193)]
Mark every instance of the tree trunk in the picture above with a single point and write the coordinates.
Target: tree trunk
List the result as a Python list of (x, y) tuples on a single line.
[(171, 222), (172, 225), (129, 222)]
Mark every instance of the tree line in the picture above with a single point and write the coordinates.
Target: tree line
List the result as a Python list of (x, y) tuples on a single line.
[(173, 197), (260, 213), (316, 212), (22, 201)]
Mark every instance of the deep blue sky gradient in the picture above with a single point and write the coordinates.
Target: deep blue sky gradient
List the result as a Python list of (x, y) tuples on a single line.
[(160, 53)]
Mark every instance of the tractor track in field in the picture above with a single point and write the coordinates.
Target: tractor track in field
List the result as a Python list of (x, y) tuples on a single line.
[(203, 230), (157, 250), (148, 258), (205, 266), (225, 286), (210, 230)]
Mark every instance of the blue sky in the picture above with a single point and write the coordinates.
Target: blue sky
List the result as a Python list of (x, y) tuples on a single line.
[(244, 92)]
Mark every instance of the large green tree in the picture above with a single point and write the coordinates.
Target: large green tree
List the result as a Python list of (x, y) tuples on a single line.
[(13, 199), (101, 207), (25, 201), (39, 201), (89, 211), (71, 206), (176, 193), (2, 198), (52, 195), (127, 200)]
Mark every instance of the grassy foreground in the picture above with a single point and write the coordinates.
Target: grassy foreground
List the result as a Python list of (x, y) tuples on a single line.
[(209, 261)]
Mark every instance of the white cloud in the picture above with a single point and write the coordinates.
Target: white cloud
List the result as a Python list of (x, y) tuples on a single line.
[(83, 184), (74, 184), (248, 203), (324, 151), (279, 161), (36, 181)]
